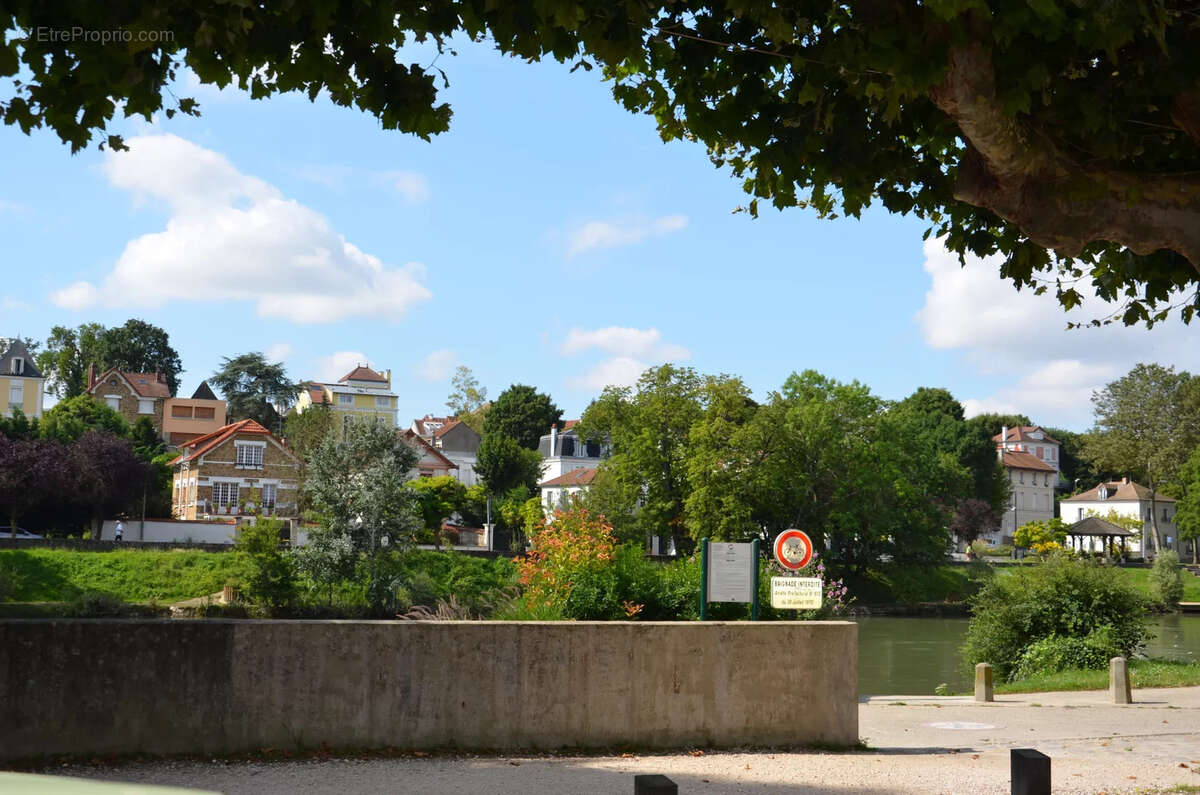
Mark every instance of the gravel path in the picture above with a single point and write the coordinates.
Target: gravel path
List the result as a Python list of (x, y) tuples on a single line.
[(916, 744)]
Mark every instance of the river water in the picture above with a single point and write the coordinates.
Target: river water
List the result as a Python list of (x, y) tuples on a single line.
[(913, 656)]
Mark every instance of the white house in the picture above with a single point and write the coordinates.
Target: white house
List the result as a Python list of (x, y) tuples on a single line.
[(1030, 458), (1129, 499), (564, 451), (557, 492), (455, 440)]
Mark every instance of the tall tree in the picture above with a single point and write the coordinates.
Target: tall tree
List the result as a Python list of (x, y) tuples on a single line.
[(140, 347), (105, 475), (504, 465), (466, 396), (521, 413), (69, 419), (1147, 423), (65, 360), (1057, 135), (28, 475), (254, 388), (1187, 505)]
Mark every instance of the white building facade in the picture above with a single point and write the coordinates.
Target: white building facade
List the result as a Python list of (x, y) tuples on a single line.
[(1129, 500)]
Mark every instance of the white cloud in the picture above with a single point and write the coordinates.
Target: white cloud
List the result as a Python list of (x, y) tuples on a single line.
[(13, 305), (412, 186), (438, 365), (612, 234), (7, 206), (631, 352), (278, 352), (332, 367), (234, 237), (1050, 372)]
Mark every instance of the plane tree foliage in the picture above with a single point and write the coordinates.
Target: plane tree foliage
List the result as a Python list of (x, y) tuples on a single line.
[(1061, 136)]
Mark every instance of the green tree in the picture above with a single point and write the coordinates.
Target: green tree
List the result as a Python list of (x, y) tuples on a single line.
[(436, 499), (18, 426), (272, 579), (254, 387), (1166, 580), (140, 347), (648, 426), (1062, 137), (356, 484), (503, 465), (1187, 506), (67, 356), (1042, 536), (1147, 423), (326, 560), (466, 396), (521, 413), (69, 419)]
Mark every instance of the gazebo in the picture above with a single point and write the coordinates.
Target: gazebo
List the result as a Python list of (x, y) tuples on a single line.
[(1095, 527)]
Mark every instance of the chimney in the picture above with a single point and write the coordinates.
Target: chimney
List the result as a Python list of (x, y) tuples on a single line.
[(553, 440), (1003, 439), (160, 377), (91, 375), (388, 375)]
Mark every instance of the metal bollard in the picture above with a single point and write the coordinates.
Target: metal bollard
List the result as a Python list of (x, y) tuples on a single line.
[(654, 784), (983, 682), (1118, 681), (1030, 772)]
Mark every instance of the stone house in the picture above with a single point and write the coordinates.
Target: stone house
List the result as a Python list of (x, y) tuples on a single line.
[(238, 470), (132, 395)]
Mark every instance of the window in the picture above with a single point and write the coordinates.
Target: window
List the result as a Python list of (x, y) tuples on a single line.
[(16, 394), (1041, 452), (1046, 479), (17, 367), (1053, 453), (225, 494), (383, 402), (269, 490), (181, 411), (1165, 514), (346, 400), (1080, 516), (145, 406), (566, 446), (249, 455), (1021, 475), (204, 412), (113, 401)]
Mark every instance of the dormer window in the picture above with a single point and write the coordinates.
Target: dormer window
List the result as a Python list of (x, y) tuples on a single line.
[(17, 366), (1103, 494)]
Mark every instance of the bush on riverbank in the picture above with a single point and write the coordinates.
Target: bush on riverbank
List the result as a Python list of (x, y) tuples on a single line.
[(1166, 580), (1060, 598), (1142, 673)]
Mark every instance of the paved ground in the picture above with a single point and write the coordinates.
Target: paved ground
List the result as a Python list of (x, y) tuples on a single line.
[(916, 744)]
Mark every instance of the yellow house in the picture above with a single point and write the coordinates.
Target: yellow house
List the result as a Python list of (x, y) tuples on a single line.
[(21, 385), (361, 394)]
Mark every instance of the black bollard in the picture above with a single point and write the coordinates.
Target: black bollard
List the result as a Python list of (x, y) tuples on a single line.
[(1030, 772), (654, 784)]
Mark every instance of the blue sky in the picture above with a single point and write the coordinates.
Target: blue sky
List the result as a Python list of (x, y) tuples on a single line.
[(548, 238)]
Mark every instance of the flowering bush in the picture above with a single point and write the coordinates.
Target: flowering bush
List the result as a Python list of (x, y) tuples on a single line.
[(568, 553), (835, 594)]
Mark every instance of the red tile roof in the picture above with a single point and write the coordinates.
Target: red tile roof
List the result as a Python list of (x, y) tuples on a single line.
[(361, 373), (146, 385), (1021, 433), (1014, 460), (1119, 491), (420, 444), (576, 477), (440, 432), (202, 444), (317, 395), (569, 424)]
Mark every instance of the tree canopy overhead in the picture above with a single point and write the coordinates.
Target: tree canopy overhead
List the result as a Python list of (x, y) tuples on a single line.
[(1064, 136)]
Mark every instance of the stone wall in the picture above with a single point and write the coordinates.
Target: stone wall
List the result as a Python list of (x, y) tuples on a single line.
[(115, 385), (171, 687)]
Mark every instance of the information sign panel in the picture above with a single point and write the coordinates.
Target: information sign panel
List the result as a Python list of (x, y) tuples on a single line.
[(730, 572), (796, 593)]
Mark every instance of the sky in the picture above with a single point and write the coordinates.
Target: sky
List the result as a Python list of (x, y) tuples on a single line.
[(549, 238)]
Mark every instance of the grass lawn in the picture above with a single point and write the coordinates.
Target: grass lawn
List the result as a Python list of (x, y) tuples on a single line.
[(897, 584), (1142, 673), (131, 575), (1140, 579)]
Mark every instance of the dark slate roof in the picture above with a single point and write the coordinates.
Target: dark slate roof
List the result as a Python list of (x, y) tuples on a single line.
[(1095, 526), (15, 349), (203, 392)]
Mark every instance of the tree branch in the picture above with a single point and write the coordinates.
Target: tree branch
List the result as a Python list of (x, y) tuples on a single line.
[(1059, 202)]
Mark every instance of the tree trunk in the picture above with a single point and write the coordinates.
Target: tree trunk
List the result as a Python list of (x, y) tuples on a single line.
[(1154, 521)]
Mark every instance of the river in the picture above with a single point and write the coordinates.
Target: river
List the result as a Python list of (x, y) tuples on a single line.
[(913, 656)]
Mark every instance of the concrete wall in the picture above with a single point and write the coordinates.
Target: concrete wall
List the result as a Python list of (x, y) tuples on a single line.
[(112, 687), (165, 531)]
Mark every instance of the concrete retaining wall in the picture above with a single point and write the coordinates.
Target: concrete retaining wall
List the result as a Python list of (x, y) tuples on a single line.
[(113, 687), (170, 530)]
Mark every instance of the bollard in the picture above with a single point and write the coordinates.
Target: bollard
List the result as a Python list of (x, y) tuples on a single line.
[(1118, 681), (1030, 772), (983, 682), (654, 784)]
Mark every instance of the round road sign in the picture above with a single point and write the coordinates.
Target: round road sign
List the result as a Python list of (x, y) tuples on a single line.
[(793, 549)]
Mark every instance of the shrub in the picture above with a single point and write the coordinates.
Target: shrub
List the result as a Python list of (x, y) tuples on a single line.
[(1056, 653), (999, 551), (1166, 580), (272, 577), (94, 604), (567, 564), (1059, 598)]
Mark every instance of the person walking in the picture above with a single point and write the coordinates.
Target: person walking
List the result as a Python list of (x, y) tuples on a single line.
[(119, 533)]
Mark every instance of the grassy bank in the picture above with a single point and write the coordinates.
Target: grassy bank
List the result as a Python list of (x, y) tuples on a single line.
[(1140, 579), (1142, 673), (131, 575)]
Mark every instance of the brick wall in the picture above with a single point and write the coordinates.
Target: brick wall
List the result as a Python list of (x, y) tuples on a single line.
[(114, 385)]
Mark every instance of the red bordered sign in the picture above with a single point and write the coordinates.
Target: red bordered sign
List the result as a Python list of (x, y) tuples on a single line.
[(793, 549)]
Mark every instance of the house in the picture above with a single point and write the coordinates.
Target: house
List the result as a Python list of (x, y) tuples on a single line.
[(454, 439), (432, 463), (361, 394), (237, 470), (132, 395), (21, 384), (185, 419), (564, 451), (1030, 459), (558, 491), (1126, 498)]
